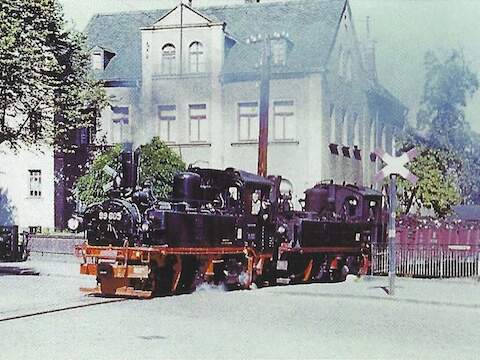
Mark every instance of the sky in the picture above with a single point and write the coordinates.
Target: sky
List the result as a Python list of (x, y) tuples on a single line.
[(403, 29)]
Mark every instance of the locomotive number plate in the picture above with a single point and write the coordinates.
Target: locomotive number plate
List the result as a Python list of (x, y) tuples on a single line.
[(103, 215)]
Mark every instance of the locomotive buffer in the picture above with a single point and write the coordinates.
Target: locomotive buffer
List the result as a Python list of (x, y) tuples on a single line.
[(394, 166)]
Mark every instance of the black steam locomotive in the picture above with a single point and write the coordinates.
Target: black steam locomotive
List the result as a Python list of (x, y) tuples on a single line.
[(226, 227)]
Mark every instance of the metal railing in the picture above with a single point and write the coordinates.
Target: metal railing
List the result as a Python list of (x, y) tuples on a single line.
[(428, 262)]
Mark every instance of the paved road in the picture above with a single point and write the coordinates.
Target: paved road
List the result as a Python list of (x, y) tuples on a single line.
[(427, 319)]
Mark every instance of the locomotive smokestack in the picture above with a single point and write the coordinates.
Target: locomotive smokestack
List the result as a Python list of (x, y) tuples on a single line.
[(130, 162)]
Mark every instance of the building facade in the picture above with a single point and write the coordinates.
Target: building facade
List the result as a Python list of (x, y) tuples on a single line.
[(27, 189), (189, 76)]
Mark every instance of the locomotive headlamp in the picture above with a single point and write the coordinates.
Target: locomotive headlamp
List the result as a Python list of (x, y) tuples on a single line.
[(117, 181), (373, 203), (281, 229), (145, 226), (73, 223), (353, 202)]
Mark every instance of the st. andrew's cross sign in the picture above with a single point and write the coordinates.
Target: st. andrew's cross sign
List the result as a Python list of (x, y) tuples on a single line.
[(395, 165)]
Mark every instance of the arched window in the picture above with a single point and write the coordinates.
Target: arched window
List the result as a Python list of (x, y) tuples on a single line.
[(345, 128), (384, 138), (356, 130), (168, 59), (196, 57), (348, 66), (333, 125), (394, 145), (372, 135), (341, 60)]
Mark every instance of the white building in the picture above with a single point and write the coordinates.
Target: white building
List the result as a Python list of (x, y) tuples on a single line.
[(27, 189)]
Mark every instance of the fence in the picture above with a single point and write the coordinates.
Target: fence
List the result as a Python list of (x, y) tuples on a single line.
[(54, 245), (428, 262)]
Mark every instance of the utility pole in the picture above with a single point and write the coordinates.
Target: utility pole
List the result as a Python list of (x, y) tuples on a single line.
[(392, 209), (265, 76)]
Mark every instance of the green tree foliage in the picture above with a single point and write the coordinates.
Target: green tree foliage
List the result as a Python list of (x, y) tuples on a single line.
[(158, 163), (44, 71), (448, 165), (89, 187), (449, 83), (437, 188)]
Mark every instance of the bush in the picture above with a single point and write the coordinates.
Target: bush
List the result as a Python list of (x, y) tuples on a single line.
[(157, 162)]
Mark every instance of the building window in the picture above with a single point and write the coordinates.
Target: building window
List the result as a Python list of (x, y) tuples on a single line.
[(283, 120), (348, 67), (196, 57), (279, 51), (372, 135), (394, 145), (97, 60), (344, 128), (333, 125), (120, 123), (168, 59), (341, 60), (197, 114), (35, 229), (35, 183), (248, 121), (384, 138), (356, 130), (166, 117)]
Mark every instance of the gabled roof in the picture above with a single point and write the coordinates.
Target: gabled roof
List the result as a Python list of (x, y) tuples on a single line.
[(311, 25)]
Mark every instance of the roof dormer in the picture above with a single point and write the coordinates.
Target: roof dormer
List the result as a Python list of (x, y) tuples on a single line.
[(100, 58), (281, 45)]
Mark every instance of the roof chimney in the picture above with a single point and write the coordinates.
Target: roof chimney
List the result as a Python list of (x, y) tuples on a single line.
[(369, 55)]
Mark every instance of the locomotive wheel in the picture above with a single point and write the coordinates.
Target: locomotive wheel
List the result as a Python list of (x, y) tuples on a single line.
[(188, 275), (162, 277)]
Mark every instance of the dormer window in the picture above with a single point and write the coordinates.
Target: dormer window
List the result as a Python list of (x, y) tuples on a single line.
[(196, 57), (97, 60), (168, 59), (100, 57), (279, 51)]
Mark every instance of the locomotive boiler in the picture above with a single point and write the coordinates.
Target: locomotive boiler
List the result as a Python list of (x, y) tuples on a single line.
[(225, 227)]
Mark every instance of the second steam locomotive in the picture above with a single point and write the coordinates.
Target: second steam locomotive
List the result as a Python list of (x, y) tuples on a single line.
[(225, 227)]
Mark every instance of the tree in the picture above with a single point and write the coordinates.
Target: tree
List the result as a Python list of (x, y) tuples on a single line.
[(449, 83), (157, 162), (438, 186), (45, 86)]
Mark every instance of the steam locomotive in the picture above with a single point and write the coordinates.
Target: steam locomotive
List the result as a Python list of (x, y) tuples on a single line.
[(225, 227)]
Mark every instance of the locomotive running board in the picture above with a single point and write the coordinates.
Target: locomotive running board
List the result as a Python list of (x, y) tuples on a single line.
[(123, 291)]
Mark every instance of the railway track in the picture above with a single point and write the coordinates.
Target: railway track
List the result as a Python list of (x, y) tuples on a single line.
[(60, 309)]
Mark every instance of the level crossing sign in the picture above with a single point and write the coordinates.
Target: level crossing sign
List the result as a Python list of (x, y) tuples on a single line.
[(396, 165)]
